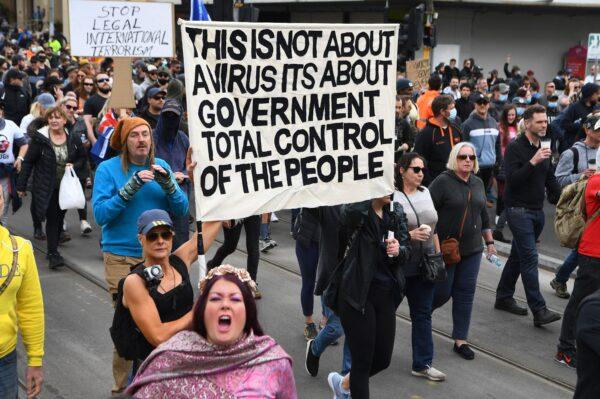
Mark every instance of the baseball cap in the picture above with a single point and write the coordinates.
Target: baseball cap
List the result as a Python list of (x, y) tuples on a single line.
[(481, 99), (46, 100), (403, 84), (504, 88), (153, 91), (519, 101), (172, 105), (592, 121), (151, 219), (151, 68), (139, 64)]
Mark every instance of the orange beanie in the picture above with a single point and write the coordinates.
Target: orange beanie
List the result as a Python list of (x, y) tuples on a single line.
[(123, 129)]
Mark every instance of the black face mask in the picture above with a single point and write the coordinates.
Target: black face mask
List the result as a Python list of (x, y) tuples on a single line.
[(170, 125), (163, 81)]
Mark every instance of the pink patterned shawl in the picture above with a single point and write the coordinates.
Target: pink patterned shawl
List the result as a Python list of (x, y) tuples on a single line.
[(187, 365)]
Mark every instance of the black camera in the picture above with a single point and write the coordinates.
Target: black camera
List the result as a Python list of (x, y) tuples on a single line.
[(153, 274)]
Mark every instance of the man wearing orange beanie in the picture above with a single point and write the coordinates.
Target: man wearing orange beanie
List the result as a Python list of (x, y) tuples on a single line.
[(125, 187)]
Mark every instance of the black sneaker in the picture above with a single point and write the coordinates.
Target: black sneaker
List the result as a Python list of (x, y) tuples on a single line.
[(499, 236), (64, 237), (38, 234), (55, 260), (311, 362), (464, 351), (568, 359), (510, 306), (310, 331), (545, 316)]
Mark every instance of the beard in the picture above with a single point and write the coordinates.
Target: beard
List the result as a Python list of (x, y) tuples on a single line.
[(104, 90)]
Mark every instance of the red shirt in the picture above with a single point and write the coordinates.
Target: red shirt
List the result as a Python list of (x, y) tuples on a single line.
[(590, 239)]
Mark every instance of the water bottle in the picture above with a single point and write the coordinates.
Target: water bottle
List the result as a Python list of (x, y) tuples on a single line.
[(494, 260)]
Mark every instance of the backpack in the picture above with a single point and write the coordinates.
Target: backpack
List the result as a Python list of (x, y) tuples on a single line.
[(570, 220), (126, 336)]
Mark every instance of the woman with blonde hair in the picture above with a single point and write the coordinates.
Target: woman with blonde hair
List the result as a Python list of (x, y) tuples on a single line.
[(460, 200)]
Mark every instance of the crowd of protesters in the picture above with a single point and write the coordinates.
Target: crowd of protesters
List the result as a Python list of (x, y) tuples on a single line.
[(465, 144)]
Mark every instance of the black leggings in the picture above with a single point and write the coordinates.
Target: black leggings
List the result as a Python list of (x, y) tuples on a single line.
[(370, 337), (54, 223), (232, 236)]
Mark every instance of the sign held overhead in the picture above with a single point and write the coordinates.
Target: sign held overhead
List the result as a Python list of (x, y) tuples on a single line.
[(121, 29), (287, 115)]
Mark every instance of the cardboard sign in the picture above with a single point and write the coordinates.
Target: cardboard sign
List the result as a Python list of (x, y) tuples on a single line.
[(418, 71), (289, 115), (121, 29)]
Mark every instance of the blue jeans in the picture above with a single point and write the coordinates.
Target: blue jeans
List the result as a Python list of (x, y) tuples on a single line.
[(308, 258), (564, 271), (526, 226), (460, 285), (8, 376), (419, 294), (328, 335)]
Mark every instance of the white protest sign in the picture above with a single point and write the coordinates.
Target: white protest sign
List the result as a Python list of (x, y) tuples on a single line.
[(593, 51), (121, 29), (289, 115)]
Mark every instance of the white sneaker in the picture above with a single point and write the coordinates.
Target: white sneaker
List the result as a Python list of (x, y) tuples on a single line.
[(274, 218), (85, 227), (430, 373), (65, 226)]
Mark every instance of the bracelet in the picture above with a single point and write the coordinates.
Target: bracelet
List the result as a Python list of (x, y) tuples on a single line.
[(489, 243), (21, 159)]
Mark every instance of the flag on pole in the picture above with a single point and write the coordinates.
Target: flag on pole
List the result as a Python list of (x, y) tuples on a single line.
[(198, 11)]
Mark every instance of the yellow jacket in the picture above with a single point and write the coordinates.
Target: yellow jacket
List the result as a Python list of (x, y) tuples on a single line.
[(21, 304)]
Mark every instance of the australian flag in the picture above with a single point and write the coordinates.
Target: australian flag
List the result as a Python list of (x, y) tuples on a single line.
[(198, 11)]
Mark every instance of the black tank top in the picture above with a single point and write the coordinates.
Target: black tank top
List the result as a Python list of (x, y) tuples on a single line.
[(171, 305)]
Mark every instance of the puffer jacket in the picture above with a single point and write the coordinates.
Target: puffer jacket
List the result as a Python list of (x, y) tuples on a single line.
[(41, 161), (359, 270)]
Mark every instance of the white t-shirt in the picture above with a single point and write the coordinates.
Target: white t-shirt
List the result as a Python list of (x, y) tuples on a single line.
[(7, 138)]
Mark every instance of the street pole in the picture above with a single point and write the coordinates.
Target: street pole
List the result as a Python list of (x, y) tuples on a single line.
[(429, 13), (51, 18)]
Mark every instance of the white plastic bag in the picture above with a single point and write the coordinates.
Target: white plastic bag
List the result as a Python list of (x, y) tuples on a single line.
[(70, 194)]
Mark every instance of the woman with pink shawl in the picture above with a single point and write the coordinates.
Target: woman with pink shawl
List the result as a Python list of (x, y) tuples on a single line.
[(226, 355)]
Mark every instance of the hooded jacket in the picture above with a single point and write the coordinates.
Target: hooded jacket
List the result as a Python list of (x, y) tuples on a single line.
[(16, 102), (485, 136), (572, 120), (170, 143), (566, 171), (424, 105), (435, 144), (41, 157)]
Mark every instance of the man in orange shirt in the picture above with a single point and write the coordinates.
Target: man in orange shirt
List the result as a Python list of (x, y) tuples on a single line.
[(425, 100)]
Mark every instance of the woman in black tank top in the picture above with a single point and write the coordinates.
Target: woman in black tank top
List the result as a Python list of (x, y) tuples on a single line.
[(161, 307)]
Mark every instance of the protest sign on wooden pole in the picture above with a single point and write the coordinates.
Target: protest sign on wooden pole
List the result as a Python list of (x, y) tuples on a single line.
[(121, 30), (419, 71), (289, 115)]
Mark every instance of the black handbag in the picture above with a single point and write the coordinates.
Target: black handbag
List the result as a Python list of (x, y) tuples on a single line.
[(432, 266)]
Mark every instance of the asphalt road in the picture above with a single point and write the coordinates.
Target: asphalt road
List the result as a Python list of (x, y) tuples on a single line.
[(513, 359)]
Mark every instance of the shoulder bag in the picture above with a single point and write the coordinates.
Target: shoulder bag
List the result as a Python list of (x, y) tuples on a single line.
[(450, 246), (432, 266), (13, 269)]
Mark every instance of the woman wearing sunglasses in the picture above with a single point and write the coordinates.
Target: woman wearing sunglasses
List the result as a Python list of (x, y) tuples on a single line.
[(460, 200), (86, 89), (160, 306), (422, 218)]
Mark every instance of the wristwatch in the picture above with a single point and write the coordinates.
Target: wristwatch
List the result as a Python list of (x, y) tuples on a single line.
[(489, 243)]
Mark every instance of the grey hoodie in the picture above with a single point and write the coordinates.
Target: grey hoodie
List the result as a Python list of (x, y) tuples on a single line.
[(564, 170)]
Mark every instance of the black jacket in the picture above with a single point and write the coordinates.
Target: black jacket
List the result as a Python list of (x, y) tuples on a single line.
[(588, 347), (41, 161), (526, 184), (434, 144), (16, 102), (360, 265), (572, 120), (449, 194), (464, 108)]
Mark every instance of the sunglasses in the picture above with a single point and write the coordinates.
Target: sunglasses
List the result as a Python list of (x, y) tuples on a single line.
[(163, 75), (417, 169), (103, 80), (463, 157), (70, 107), (88, 84), (165, 235), (159, 98)]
